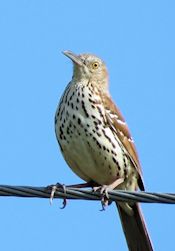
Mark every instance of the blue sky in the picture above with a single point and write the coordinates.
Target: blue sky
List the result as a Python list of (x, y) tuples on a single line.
[(137, 41)]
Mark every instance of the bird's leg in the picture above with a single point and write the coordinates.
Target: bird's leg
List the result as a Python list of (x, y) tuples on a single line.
[(104, 189), (58, 185), (83, 185)]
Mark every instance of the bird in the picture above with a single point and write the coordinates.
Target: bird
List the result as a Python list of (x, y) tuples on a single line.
[(96, 143)]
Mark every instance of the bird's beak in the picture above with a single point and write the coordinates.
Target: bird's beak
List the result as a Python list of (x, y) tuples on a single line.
[(75, 58)]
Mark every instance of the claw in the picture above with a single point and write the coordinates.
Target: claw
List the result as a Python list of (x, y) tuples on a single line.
[(104, 189), (53, 190), (104, 203), (104, 195), (64, 199)]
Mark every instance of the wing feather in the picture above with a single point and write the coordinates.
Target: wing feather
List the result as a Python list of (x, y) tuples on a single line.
[(119, 126)]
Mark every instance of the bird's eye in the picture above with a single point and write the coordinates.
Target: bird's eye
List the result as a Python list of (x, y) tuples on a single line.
[(95, 65)]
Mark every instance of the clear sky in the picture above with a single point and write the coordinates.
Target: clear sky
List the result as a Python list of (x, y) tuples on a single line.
[(137, 41)]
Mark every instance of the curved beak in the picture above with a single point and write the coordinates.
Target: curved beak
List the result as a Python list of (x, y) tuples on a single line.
[(75, 58)]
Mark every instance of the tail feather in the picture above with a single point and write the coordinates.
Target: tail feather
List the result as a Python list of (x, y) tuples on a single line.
[(135, 229)]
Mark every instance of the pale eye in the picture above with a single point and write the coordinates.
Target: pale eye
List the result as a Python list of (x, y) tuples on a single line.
[(95, 65)]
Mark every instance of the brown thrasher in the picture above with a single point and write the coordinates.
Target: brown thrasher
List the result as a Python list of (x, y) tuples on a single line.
[(96, 143)]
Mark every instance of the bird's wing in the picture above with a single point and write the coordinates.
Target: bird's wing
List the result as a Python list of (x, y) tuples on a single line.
[(119, 126)]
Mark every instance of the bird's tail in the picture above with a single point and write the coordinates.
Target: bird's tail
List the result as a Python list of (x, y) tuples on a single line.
[(135, 229)]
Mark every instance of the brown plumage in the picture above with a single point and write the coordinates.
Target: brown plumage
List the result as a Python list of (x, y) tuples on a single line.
[(96, 143), (122, 131)]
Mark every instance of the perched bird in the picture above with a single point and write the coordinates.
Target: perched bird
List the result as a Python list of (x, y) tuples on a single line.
[(96, 143)]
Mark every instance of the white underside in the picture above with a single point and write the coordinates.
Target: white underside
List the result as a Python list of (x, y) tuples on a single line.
[(82, 153)]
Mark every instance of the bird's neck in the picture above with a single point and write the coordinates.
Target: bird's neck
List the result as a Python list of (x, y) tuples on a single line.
[(100, 85)]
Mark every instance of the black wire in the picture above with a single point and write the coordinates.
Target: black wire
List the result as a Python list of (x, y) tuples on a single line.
[(84, 194)]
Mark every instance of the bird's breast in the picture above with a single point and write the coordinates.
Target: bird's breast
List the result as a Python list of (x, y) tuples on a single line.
[(87, 142)]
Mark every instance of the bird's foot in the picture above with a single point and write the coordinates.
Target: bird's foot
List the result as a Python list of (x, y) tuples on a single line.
[(53, 189), (104, 189)]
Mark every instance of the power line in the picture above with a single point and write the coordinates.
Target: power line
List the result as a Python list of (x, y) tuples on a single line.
[(84, 194)]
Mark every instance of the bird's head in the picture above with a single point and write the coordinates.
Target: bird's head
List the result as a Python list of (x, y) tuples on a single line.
[(89, 67)]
